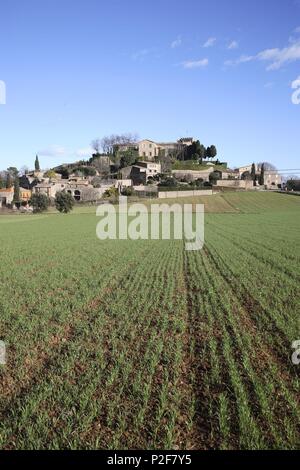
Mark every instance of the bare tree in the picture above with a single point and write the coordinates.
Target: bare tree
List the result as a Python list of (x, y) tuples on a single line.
[(108, 142), (96, 145), (166, 164), (24, 170), (268, 166), (128, 138), (285, 178)]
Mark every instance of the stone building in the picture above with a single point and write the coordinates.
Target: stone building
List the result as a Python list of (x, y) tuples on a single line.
[(193, 175), (50, 188), (25, 194), (79, 187), (247, 168), (272, 178), (230, 174), (150, 150), (6, 197), (140, 172)]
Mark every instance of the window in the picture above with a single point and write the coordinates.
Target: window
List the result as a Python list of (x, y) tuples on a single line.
[(77, 195)]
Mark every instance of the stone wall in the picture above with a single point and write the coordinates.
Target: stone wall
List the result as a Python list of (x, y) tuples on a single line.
[(237, 184), (149, 189), (192, 174), (179, 194)]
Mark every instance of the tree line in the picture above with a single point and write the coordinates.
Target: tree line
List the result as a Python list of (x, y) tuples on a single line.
[(198, 152)]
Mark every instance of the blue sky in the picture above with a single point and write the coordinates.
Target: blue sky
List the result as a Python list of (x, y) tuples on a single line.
[(219, 70)]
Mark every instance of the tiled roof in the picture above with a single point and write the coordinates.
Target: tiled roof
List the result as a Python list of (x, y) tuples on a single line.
[(6, 190)]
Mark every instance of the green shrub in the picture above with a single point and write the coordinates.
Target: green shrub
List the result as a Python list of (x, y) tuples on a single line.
[(111, 193), (39, 202), (127, 191), (64, 202)]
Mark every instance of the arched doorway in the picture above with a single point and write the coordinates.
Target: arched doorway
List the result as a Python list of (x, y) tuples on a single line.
[(77, 195)]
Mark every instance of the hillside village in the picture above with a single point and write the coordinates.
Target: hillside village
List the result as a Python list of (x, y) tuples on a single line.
[(140, 168)]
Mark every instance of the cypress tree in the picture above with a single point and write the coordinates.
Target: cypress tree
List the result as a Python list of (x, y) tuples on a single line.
[(16, 190), (9, 181), (208, 152), (262, 175), (37, 164), (253, 173), (213, 151)]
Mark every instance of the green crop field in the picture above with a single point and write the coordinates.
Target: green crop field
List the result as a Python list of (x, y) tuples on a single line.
[(143, 345)]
